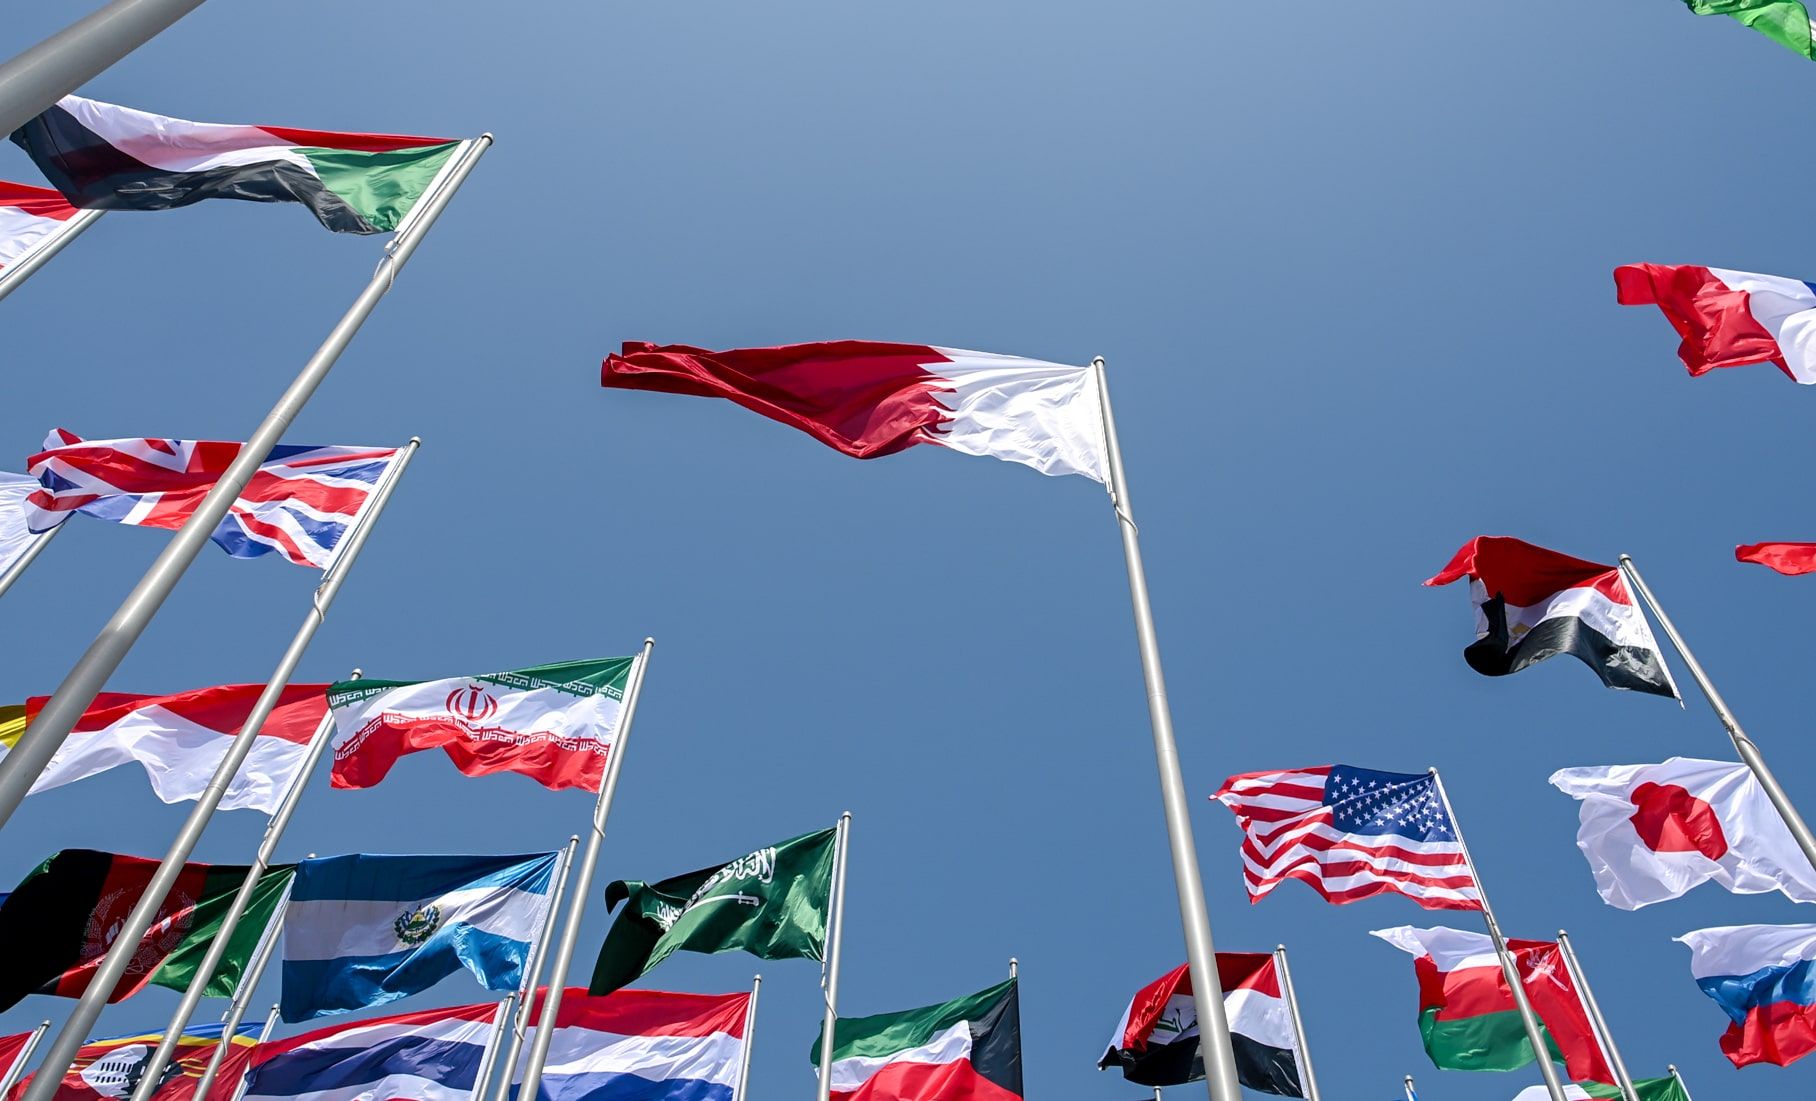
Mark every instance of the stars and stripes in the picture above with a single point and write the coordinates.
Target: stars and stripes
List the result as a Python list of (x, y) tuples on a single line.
[(300, 502), (1350, 833)]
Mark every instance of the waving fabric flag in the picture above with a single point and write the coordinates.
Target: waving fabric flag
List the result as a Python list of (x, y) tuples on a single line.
[(113, 1068), (1764, 979), (1648, 1089), (644, 1044), (16, 534), (181, 739), (300, 503), (1653, 832), (1786, 22), (1467, 1015), (1350, 833), (1156, 1041), (868, 398), (108, 157), (964, 1050), (31, 218), (1729, 318), (1532, 604), (1790, 559), (431, 1055)]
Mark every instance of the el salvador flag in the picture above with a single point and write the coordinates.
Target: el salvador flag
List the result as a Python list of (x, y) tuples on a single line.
[(364, 930)]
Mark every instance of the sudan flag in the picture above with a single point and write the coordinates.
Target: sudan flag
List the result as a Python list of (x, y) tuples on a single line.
[(1532, 604), (63, 917), (967, 1050), (108, 157), (1156, 1041)]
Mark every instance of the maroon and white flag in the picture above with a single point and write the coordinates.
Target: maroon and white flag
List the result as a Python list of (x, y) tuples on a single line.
[(868, 398)]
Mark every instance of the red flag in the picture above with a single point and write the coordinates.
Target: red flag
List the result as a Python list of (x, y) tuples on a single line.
[(1789, 559)]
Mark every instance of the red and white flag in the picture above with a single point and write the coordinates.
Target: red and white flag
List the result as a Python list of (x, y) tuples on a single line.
[(181, 739), (1653, 832), (1729, 318), (868, 398), (31, 218), (1790, 559)]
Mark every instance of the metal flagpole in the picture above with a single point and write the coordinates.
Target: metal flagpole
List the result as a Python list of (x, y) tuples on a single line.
[(13, 572), (532, 973), (25, 1053), (583, 883), (1014, 968), (1156, 1093), (41, 740), (1411, 1095), (1749, 752), (239, 1091), (126, 943), (57, 66), (1201, 954), (21, 270), (1509, 970), (835, 935), (488, 1062), (1602, 1033), (1292, 1004), (217, 947), (750, 1037), (242, 997), (1681, 1084)]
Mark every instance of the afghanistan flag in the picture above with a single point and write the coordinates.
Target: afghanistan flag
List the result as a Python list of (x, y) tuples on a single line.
[(967, 1050), (1156, 1041), (1532, 604), (62, 919), (108, 157), (771, 903), (114, 1067)]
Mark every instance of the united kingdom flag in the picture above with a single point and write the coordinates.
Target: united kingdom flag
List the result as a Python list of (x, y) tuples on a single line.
[(300, 502)]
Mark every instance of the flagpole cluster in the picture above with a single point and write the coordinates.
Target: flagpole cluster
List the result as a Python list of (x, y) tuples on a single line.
[(1302, 1051), (1603, 1035), (532, 977)]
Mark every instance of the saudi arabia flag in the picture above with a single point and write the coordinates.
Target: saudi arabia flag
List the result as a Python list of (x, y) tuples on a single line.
[(965, 1050), (553, 723), (771, 903)]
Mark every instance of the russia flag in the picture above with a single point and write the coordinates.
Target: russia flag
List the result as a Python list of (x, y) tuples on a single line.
[(1764, 978)]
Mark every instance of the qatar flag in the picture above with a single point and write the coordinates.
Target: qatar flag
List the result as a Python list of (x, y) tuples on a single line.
[(1652, 832)]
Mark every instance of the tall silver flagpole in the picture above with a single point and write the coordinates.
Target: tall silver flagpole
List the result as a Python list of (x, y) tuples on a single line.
[(217, 947), (239, 1090), (1509, 970), (1292, 1004), (1411, 1095), (1602, 1033), (1749, 752), (75, 55), (488, 1062), (1201, 953), (25, 1054), (242, 997), (583, 882), (750, 1038), (532, 973), (81, 1020), (20, 564), (40, 742), (21, 270), (835, 936), (1681, 1084)]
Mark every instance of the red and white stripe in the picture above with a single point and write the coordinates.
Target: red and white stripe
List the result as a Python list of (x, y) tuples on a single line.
[(30, 219), (1729, 318)]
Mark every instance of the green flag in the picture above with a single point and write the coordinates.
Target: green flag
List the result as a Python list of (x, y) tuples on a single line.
[(1786, 22), (771, 903)]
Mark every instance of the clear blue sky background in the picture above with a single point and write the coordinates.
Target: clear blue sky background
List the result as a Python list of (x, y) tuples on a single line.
[(1350, 268)]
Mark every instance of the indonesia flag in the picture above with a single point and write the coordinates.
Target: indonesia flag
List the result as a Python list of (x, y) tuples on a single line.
[(1156, 1041), (1764, 979), (1532, 604), (644, 1045), (181, 739), (868, 398), (107, 157), (1729, 318), (1653, 832), (31, 219)]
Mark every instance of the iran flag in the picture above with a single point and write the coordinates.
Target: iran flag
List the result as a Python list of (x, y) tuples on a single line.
[(1729, 318), (1652, 832), (868, 398), (1532, 603), (31, 218), (181, 739)]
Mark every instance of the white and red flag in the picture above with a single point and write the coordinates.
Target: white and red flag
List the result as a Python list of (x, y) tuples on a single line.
[(1532, 603), (1156, 1040), (1729, 318), (868, 398), (1653, 832), (181, 739), (31, 218)]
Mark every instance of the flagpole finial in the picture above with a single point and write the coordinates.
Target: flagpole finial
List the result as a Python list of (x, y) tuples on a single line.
[(1563, 934), (487, 136), (416, 441), (1671, 1068), (1626, 560), (649, 640), (1279, 947), (573, 837), (1097, 361)]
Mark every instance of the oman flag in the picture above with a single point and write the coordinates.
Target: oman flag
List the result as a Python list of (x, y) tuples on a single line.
[(1467, 1014), (31, 218), (1729, 318), (1652, 832), (966, 1050)]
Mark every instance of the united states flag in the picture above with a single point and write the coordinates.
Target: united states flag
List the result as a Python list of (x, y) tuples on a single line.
[(299, 503), (1350, 833)]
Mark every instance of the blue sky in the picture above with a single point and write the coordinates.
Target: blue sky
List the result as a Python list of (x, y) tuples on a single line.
[(1349, 265)]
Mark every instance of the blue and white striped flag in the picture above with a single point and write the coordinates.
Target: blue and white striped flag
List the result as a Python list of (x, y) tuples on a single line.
[(365, 930)]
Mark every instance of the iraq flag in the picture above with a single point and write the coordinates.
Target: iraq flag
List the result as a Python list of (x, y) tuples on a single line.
[(1532, 604), (1156, 1042)]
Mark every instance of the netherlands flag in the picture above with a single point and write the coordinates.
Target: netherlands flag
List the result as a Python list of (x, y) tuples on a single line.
[(1764, 979)]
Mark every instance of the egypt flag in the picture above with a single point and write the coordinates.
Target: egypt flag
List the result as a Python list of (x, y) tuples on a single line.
[(31, 219), (107, 157), (967, 1050), (868, 398), (181, 739), (1729, 318), (1532, 604), (1156, 1041), (113, 1068)]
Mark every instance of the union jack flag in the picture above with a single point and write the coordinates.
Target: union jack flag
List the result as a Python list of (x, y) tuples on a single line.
[(299, 503), (1350, 833)]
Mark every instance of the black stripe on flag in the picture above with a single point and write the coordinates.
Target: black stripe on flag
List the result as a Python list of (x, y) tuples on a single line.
[(1497, 654)]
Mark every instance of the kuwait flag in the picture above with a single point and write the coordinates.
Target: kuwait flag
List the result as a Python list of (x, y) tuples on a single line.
[(1764, 979), (967, 1050), (1532, 604), (30, 219), (181, 739), (553, 723), (1729, 318), (867, 398), (107, 157), (1156, 1041), (66, 911), (1467, 1014)]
